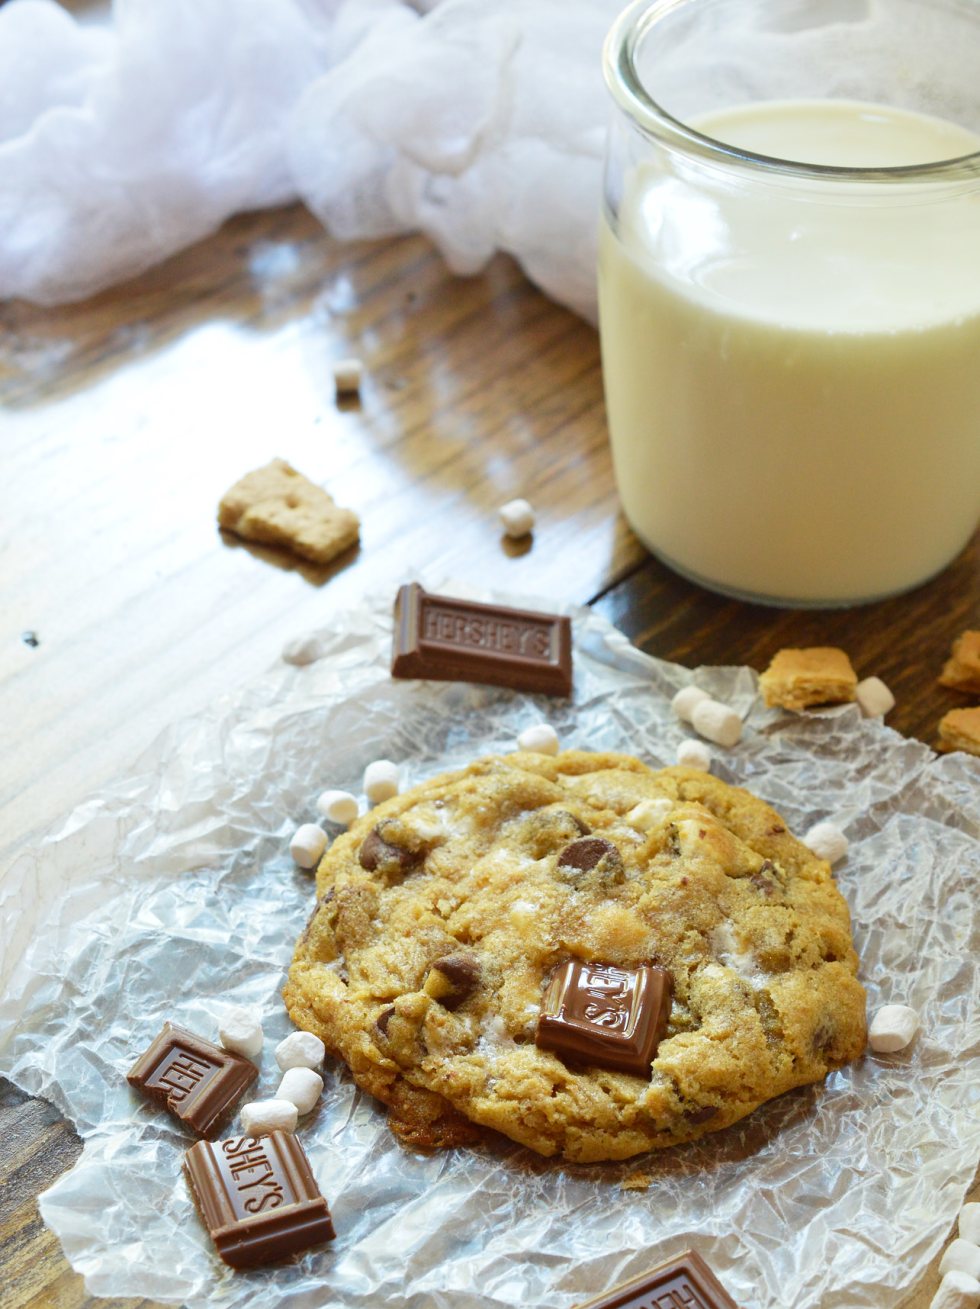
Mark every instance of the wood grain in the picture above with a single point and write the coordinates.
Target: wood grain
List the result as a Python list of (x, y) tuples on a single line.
[(36, 1146), (904, 641), (128, 416), (124, 419)]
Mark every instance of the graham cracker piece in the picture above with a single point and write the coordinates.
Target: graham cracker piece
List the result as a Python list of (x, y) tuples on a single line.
[(276, 505), (962, 669), (797, 679), (960, 730)]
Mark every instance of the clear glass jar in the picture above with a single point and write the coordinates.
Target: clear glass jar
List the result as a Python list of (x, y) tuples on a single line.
[(789, 290)]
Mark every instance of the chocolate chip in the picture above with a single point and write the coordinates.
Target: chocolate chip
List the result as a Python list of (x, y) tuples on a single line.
[(586, 853), (593, 852), (765, 879), (453, 979), (551, 829), (379, 855), (383, 1019), (373, 850), (695, 1116)]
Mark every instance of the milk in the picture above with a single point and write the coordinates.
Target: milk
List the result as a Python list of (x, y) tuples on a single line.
[(792, 381)]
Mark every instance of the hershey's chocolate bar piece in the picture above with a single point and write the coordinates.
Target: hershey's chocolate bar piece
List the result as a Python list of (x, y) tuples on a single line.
[(461, 641), (197, 1081), (682, 1283), (601, 1014), (257, 1197)]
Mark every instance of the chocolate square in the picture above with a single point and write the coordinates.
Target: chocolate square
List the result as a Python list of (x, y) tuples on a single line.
[(682, 1283), (605, 1015), (450, 640), (257, 1197), (193, 1079)]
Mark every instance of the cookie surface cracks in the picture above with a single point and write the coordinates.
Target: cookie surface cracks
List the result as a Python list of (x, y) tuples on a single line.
[(748, 922)]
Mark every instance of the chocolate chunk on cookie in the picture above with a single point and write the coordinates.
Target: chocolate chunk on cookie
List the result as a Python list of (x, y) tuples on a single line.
[(612, 1017), (453, 979), (378, 855), (592, 854)]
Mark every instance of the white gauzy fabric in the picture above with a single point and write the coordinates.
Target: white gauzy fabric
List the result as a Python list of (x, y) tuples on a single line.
[(481, 126), (120, 145)]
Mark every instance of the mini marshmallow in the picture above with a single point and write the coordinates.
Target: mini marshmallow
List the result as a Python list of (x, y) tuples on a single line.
[(827, 841), (684, 701), (957, 1291), (961, 1257), (969, 1224), (300, 1050), (874, 697), (541, 738), (301, 1087), (892, 1028), (648, 813), (338, 807), (694, 754), (517, 518), (307, 845), (241, 1032), (382, 780), (347, 376), (717, 722), (302, 650), (264, 1116)]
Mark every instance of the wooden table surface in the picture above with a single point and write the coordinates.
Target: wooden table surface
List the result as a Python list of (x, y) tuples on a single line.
[(126, 417)]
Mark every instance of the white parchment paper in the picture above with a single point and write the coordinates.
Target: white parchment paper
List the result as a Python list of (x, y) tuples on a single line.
[(172, 895)]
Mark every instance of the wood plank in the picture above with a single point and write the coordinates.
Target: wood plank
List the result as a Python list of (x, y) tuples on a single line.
[(36, 1146), (904, 641)]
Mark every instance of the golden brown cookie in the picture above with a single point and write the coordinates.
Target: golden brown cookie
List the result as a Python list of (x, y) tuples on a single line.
[(960, 730), (962, 669), (276, 505), (444, 915), (798, 679)]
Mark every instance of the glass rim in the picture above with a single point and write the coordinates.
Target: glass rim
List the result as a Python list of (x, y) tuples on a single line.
[(631, 96)]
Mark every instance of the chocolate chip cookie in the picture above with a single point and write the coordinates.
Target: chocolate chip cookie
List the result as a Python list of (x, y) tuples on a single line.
[(454, 922)]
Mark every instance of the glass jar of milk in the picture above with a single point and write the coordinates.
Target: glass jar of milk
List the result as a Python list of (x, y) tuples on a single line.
[(789, 290)]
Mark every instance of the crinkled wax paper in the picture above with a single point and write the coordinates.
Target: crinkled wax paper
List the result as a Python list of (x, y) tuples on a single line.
[(172, 895)]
